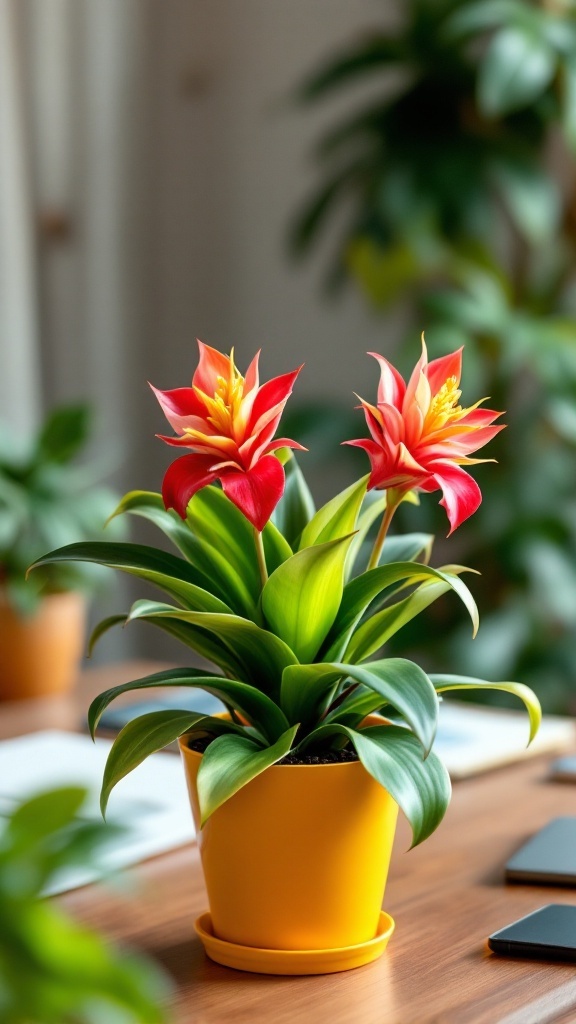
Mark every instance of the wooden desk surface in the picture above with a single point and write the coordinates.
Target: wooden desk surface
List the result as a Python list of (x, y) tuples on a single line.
[(446, 897)]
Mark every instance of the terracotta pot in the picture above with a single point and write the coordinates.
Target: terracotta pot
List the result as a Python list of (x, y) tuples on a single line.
[(297, 859), (40, 653)]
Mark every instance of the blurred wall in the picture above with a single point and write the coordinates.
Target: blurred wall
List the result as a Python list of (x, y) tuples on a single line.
[(165, 159)]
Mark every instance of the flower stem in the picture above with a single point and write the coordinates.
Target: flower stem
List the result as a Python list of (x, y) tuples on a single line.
[(391, 506), (260, 555)]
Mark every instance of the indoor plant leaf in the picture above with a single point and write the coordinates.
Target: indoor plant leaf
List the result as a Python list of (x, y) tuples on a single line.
[(301, 598), (518, 66), (444, 682), (337, 518), (171, 574), (149, 733), (230, 762), (217, 575), (263, 655), (296, 506), (377, 630), (393, 756), (359, 593), (250, 702), (394, 681)]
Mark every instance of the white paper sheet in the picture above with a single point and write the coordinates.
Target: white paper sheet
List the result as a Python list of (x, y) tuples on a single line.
[(472, 739), (151, 803)]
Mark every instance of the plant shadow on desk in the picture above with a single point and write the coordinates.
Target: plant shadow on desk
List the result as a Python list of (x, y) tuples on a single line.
[(54, 970)]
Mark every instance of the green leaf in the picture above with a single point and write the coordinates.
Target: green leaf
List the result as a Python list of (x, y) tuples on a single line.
[(171, 574), (296, 506), (532, 199), (337, 518), (444, 682), (477, 17), (263, 655), (568, 86), (301, 598), (250, 702), (48, 812), (393, 757), (518, 66), (64, 434), (214, 518), (147, 734), (229, 763), (215, 573), (360, 592), (378, 629), (395, 681)]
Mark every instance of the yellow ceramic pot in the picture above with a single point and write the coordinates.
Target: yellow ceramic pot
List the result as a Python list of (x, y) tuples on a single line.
[(39, 653), (298, 858)]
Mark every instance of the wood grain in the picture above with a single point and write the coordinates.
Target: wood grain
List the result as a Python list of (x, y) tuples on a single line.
[(446, 897)]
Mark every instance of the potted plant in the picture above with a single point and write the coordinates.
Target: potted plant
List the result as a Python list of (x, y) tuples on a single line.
[(46, 499), (295, 789)]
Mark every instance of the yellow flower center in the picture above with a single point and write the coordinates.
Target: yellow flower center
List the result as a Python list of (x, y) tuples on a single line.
[(224, 407), (444, 406)]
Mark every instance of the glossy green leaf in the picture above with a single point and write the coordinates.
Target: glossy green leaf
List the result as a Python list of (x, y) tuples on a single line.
[(296, 506), (229, 763), (377, 630), (395, 681), (518, 66), (146, 735), (337, 518), (301, 599), (214, 518), (215, 573), (444, 682), (176, 577), (359, 594), (393, 756), (250, 702), (263, 655)]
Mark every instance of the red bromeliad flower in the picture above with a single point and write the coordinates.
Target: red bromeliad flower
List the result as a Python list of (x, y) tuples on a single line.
[(421, 437), (229, 422)]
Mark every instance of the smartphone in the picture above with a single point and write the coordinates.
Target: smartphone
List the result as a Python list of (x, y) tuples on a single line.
[(547, 934), (563, 769), (549, 857)]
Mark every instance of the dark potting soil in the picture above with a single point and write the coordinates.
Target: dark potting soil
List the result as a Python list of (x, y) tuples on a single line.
[(327, 757)]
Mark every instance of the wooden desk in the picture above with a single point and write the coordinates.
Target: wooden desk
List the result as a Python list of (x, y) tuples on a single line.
[(446, 897)]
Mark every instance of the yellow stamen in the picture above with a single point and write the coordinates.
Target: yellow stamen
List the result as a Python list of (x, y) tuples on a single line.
[(444, 406), (224, 407)]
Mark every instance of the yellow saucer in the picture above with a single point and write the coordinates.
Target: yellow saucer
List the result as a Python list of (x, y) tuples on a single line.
[(293, 961)]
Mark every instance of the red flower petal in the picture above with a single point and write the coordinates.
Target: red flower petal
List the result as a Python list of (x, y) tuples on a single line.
[(271, 393), (257, 491), (182, 408), (183, 478), (392, 387), (212, 365), (461, 494), (439, 370)]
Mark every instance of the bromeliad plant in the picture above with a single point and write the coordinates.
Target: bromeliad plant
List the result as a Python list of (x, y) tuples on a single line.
[(275, 595)]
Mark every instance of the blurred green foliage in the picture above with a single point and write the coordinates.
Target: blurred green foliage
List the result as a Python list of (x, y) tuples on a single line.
[(52, 969), (455, 190), (46, 500)]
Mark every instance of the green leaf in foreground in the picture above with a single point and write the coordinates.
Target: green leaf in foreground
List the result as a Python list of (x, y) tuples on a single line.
[(230, 762)]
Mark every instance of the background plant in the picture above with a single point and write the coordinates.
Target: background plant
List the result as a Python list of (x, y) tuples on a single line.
[(455, 194), (47, 499), (52, 969)]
